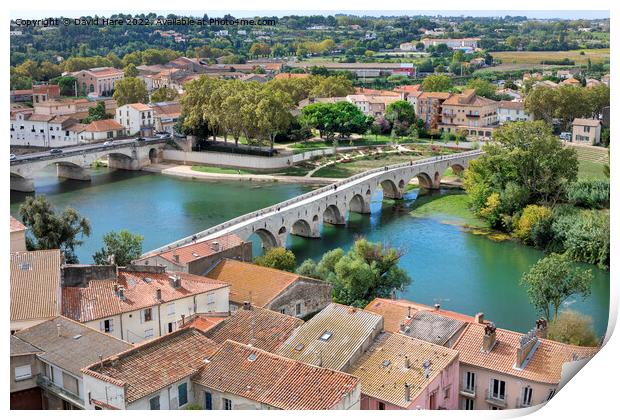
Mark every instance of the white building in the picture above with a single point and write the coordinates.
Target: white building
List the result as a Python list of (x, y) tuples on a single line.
[(136, 118), (29, 129), (512, 111)]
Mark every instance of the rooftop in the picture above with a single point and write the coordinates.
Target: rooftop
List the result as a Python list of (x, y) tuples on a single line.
[(100, 300), (588, 122), (140, 107), (384, 372), (105, 71), (274, 380), (70, 345), (332, 337), (16, 225), (156, 364), (35, 284), (262, 328), (511, 105), (545, 365), (253, 283), (103, 125), (21, 348), (198, 250)]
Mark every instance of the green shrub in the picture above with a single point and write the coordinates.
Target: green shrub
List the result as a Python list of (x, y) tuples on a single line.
[(589, 193), (587, 238), (532, 216)]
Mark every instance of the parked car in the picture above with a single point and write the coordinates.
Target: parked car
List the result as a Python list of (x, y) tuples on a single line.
[(55, 151), (566, 135), (13, 157), (107, 143), (140, 139)]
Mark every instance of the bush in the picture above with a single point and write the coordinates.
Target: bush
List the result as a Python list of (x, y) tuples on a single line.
[(573, 328), (587, 238), (532, 216), (278, 258), (589, 193)]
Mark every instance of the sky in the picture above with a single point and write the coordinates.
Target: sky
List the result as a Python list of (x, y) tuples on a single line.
[(540, 14)]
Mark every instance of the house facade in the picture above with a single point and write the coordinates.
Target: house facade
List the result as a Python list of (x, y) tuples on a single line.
[(586, 131), (137, 119), (508, 111), (99, 81), (469, 113)]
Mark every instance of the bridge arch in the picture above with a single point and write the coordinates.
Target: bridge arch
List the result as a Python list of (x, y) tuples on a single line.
[(457, 169), (390, 190), (267, 238), (424, 180), (154, 155), (333, 216), (357, 204), (302, 228)]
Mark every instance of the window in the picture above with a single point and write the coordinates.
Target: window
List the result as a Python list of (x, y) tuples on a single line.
[(468, 404), (154, 403), (23, 372), (227, 404), (106, 325), (446, 393), (551, 394), (283, 311), (498, 389), (147, 315), (298, 309), (326, 335), (526, 399), (470, 381), (148, 333), (210, 298), (171, 309), (380, 405), (208, 401), (170, 327), (183, 394)]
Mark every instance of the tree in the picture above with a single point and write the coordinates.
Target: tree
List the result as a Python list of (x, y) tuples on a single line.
[(124, 246), (482, 88), (96, 113), (260, 49), (333, 86), (401, 116), (542, 102), (278, 258), (552, 280), (130, 70), (273, 113), (49, 230), (130, 90), (67, 85), (367, 271), (573, 328), (436, 83), (164, 94)]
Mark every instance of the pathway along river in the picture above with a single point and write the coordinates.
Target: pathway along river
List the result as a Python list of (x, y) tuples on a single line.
[(461, 271)]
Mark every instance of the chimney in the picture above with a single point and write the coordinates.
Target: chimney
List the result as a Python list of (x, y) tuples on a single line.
[(175, 281), (319, 358), (479, 318), (58, 330), (427, 368), (393, 294), (101, 360), (247, 305), (408, 312), (526, 344), (407, 392), (121, 293), (158, 294), (183, 319), (407, 363), (175, 257), (215, 246), (488, 341), (541, 328)]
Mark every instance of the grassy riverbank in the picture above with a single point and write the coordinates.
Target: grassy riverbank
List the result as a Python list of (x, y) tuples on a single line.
[(291, 171)]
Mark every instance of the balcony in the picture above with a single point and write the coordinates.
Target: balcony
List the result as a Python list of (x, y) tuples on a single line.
[(470, 115), (62, 393), (469, 392), (496, 400)]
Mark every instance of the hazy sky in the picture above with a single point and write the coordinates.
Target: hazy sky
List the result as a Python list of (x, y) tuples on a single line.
[(562, 14)]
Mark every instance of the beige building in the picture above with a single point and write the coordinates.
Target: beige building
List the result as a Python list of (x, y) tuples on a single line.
[(586, 130), (166, 115), (35, 287), (99, 81), (18, 236), (140, 302), (469, 113), (508, 111), (372, 105), (278, 290), (101, 130), (429, 107)]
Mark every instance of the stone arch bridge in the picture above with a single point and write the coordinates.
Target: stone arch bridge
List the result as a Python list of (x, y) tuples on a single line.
[(304, 214), (74, 162)]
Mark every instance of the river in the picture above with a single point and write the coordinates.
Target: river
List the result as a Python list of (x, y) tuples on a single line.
[(462, 272)]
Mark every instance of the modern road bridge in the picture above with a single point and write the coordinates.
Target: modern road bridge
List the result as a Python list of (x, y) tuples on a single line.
[(304, 214), (73, 162)]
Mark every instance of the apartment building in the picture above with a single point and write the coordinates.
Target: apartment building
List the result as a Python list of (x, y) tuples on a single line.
[(166, 115), (140, 302), (430, 107), (372, 105), (35, 287), (364, 70), (508, 111), (469, 113), (586, 131), (278, 290), (98, 81), (31, 129), (454, 43), (200, 257), (46, 363), (137, 119)]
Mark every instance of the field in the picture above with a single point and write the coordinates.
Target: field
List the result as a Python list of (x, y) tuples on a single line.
[(535, 57)]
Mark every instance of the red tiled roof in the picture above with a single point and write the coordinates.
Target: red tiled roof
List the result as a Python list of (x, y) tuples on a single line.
[(140, 107), (511, 105), (103, 125), (204, 322), (16, 225), (291, 76), (105, 71), (262, 328), (155, 364), (192, 252), (99, 300), (274, 380)]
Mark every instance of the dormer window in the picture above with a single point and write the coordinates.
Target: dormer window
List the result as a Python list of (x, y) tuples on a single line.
[(326, 336)]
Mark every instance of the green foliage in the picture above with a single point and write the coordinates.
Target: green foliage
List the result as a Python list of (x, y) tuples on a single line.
[(532, 217), (589, 193), (67, 85), (367, 271), (401, 116), (130, 90), (193, 406), (49, 230), (571, 327), (130, 70), (587, 237), (340, 117), (482, 88), (124, 246), (164, 94), (437, 83), (278, 258), (552, 280), (96, 113)]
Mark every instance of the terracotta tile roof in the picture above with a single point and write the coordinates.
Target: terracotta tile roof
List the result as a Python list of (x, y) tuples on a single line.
[(570, 81), (250, 282), (273, 380), (168, 109), (204, 322), (105, 71), (461, 99), (349, 327), (375, 92), (103, 125), (35, 284), (154, 365), (198, 250), (262, 328), (77, 347), (586, 122), (435, 95), (291, 76), (395, 312), (50, 90), (16, 225), (40, 117), (387, 383), (140, 107), (408, 88), (545, 365), (99, 300), (511, 105), (22, 92)]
